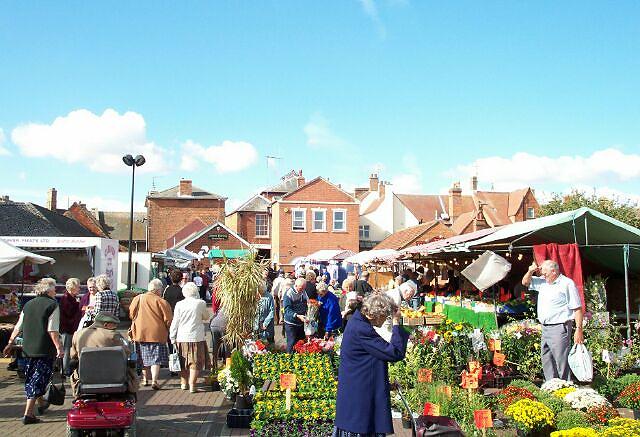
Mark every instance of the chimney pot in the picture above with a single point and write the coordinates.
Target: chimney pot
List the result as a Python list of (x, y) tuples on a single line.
[(474, 183), (52, 199), (300, 179), (185, 189), (373, 182), (381, 189)]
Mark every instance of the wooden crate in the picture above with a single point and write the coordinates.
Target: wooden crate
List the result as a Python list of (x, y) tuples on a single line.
[(433, 319), (413, 321)]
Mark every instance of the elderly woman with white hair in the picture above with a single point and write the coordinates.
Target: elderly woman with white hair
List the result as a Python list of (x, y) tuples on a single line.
[(187, 335), (106, 300), (151, 318), (70, 315), (39, 323), (363, 401)]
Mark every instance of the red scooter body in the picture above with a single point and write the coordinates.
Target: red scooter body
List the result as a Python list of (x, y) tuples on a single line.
[(89, 414)]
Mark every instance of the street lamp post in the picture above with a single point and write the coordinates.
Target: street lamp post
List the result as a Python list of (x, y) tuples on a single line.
[(133, 163)]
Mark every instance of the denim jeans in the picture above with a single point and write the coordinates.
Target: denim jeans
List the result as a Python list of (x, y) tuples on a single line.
[(66, 344)]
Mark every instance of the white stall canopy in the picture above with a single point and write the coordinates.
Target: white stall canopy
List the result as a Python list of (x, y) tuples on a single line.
[(11, 256)]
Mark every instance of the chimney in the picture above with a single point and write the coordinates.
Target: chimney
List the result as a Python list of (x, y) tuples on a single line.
[(300, 179), (95, 213), (455, 201), (185, 188), (373, 182), (52, 199), (4, 198), (474, 183), (381, 189)]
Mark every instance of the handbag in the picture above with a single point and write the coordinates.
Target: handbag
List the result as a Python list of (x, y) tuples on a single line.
[(174, 361), (55, 393)]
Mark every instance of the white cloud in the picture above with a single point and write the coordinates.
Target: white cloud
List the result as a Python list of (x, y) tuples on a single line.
[(410, 181), (320, 136), (3, 150), (525, 169), (228, 157), (370, 8), (22, 176), (99, 141)]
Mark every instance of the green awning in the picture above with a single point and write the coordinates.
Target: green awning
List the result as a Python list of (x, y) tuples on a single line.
[(228, 253), (599, 236)]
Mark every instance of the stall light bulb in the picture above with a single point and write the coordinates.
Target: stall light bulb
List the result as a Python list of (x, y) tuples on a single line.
[(520, 257)]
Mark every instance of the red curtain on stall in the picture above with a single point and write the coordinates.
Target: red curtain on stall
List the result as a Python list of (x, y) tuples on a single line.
[(568, 258)]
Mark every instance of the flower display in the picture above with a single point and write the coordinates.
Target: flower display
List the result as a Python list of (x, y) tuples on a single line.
[(585, 398), (530, 415), (555, 384), (562, 392), (521, 344), (313, 345), (601, 415), (228, 384), (513, 394), (253, 347), (576, 432), (294, 428), (630, 396), (621, 427)]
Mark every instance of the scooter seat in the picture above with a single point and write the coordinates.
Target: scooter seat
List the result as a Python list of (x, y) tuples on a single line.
[(97, 389)]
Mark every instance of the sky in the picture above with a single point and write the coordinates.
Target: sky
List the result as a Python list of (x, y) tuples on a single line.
[(542, 94)]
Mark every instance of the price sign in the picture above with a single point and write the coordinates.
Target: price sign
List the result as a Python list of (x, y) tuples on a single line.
[(499, 359), (425, 375), (287, 381), (445, 390), (495, 344), (474, 366), (469, 380), (431, 409), (483, 419)]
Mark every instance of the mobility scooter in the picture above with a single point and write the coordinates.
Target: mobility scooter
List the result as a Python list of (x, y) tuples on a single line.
[(103, 405)]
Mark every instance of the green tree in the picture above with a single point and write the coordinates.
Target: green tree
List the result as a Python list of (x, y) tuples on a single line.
[(626, 212)]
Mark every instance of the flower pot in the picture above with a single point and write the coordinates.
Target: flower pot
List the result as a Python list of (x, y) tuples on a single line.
[(239, 418), (242, 402), (629, 413), (406, 422)]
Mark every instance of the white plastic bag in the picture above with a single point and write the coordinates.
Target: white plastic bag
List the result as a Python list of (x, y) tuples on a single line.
[(580, 363), (174, 361)]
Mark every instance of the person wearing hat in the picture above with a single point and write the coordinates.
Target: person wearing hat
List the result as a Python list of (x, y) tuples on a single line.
[(102, 333)]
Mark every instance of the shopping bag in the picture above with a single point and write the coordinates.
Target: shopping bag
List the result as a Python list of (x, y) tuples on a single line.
[(174, 361), (581, 363), (55, 392)]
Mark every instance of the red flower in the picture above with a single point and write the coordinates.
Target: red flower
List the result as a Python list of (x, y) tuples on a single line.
[(260, 345)]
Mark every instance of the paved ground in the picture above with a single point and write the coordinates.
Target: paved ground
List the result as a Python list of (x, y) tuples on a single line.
[(169, 411)]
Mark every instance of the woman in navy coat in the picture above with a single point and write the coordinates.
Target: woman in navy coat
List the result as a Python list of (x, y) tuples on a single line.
[(363, 408)]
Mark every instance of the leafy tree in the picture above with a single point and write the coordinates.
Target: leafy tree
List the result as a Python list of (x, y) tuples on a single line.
[(626, 212)]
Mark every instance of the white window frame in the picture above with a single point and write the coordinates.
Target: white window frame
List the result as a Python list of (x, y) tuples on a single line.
[(344, 219), (533, 212), (361, 230), (304, 219), (313, 219), (266, 216)]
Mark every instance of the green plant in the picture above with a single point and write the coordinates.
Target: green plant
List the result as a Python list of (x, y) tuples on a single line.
[(611, 388), (521, 345), (598, 340), (630, 396), (595, 294), (240, 370), (568, 419), (556, 405), (236, 285)]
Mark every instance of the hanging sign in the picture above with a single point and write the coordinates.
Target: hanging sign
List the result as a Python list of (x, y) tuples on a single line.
[(469, 380)]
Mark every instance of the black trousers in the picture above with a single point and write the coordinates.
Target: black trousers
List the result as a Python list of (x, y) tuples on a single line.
[(294, 333)]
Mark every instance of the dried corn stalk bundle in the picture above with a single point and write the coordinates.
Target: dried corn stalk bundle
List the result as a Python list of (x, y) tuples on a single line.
[(237, 285)]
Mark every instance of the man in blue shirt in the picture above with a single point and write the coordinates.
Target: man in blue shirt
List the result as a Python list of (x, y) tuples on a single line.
[(330, 317)]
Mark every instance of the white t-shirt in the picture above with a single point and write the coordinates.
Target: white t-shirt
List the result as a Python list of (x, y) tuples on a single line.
[(53, 324), (556, 301)]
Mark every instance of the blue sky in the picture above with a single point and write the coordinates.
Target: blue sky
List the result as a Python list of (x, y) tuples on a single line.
[(544, 94)]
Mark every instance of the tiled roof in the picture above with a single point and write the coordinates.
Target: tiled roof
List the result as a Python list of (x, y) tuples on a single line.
[(461, 223), (30, 220), (172, 193), (515, 200), (190, 229), (116, 224), (425, 206), (405, 237), (286, 185), (257, 203)]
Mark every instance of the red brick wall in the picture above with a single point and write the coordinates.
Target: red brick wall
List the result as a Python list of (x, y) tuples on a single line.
[(528, 202), (79, 214), (319, 190), (168, 216), (292, 244), (247, 228), (230, 243)]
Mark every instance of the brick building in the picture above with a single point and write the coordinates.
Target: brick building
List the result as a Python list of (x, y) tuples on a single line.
[(171, 210), (316, 215), (252, 221)]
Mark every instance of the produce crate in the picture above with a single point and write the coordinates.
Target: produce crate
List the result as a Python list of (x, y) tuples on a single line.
[(433, 319), (413, 321)]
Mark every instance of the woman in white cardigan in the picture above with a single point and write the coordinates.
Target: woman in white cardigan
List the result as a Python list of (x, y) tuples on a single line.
[(187, 335)]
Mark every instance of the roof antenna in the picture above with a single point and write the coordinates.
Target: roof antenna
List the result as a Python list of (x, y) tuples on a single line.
[(153, 182), (271, 162)]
